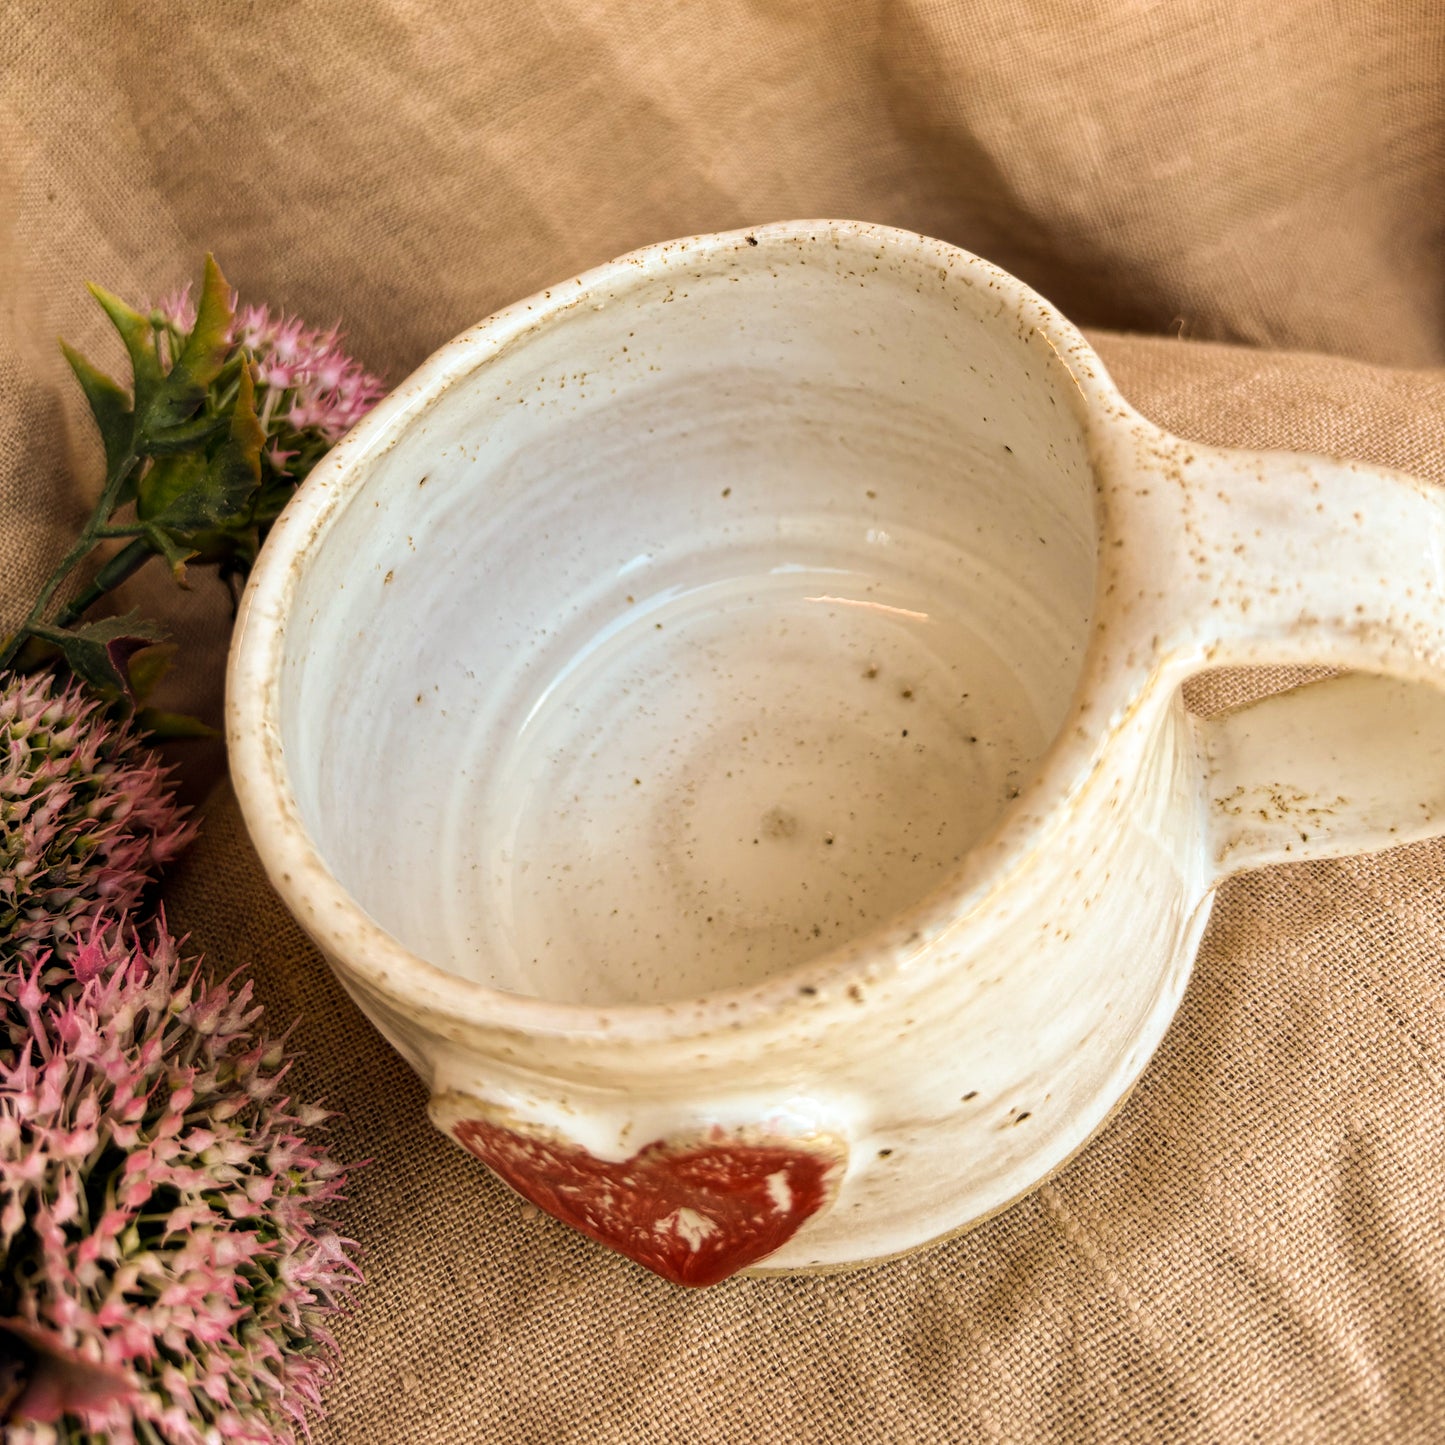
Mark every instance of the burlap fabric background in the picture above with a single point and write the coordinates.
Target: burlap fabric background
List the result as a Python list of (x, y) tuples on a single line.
[(1255, 1249)]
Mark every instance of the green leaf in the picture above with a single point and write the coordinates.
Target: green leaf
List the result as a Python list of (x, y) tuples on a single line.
[(272, 500), (140, 344), (208, 345), (147, 668), (163, 726), (165, 401), (99, 652), (185, 437), (248, 436), (193, 493), (175, 551), (125, 625), (197, 491), (109, 405), (202, 358), (169, 493)]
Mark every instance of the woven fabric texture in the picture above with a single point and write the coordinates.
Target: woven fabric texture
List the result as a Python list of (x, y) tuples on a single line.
[(1254, 1249)]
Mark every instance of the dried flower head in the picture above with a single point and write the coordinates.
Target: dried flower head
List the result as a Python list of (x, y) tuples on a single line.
[(166, 1264), (85, 817)]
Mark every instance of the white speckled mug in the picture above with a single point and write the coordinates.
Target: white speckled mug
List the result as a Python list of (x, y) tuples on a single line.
[(721, 719)]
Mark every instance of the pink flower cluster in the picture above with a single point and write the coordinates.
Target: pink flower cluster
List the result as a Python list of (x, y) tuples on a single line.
[(85, 817), (166, 1267), (304, 381)]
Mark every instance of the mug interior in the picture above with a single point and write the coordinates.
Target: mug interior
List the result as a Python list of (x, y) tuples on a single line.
[(700, 629)]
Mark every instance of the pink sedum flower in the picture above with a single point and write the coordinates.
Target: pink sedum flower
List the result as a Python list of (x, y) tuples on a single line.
[(305, 382), (178, 308), (86, 817), (167, 1265)]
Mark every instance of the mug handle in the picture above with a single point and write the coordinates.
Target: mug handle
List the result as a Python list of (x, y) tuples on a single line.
[(1299, 560)]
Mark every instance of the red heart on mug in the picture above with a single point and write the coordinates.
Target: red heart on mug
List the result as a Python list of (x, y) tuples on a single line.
[(694, 1210)]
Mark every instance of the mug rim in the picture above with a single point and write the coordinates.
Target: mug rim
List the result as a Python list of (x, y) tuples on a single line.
[(371, 955)]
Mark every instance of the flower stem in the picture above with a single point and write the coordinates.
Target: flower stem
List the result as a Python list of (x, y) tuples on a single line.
[(128, 560), (90, 534)]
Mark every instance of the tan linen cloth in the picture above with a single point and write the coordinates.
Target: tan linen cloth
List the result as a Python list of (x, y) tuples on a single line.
[(1255, 1247)]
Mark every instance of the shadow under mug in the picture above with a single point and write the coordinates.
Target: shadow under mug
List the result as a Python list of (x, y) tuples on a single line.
[(721, 720)]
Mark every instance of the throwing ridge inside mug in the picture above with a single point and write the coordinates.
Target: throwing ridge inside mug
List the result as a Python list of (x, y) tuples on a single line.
[(721, 720)]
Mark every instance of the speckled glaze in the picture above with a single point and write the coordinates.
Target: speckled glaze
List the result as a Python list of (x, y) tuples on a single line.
[(851, 471)]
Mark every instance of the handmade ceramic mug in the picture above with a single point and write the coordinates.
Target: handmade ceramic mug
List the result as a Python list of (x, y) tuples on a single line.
[(721, 720)]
